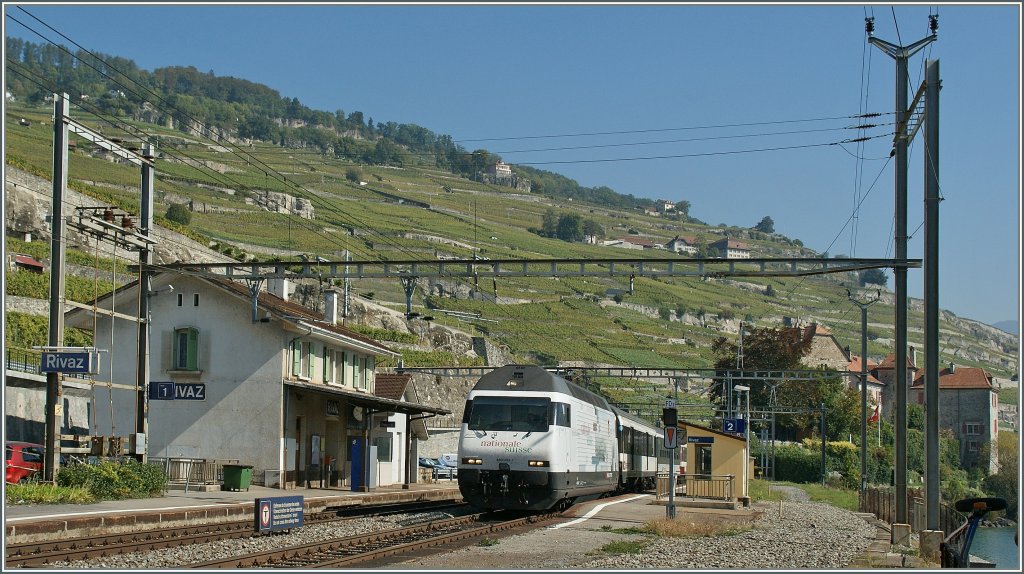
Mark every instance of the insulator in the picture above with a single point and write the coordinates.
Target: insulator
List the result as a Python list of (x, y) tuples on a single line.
[(127, 223), (108, 215), (933, 23), (869, 25)]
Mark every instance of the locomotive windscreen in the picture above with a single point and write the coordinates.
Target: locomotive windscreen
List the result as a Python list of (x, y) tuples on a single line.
[(524, 414)]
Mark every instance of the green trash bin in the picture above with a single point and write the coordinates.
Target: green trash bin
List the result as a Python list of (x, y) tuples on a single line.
[(237, 476)]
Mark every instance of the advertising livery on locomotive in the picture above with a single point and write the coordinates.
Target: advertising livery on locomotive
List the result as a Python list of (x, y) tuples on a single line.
[(532, 440)]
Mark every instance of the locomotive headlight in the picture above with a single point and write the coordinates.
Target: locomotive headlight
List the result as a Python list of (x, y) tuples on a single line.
[(472, 460), (539, 463)]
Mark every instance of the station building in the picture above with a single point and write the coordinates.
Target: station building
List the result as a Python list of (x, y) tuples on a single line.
[(258, 381)]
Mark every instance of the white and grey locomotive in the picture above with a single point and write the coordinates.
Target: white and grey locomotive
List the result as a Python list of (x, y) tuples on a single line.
[(532, 440)]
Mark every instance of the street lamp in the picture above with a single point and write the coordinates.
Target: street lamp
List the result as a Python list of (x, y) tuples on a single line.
[(746, 436)]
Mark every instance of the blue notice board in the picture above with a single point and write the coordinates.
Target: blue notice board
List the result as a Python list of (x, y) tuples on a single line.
[(278, 513), (700, 439)]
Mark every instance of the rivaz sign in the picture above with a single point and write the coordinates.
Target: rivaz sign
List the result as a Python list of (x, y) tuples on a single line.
[(278, 513), (169, 391), (70, 362)]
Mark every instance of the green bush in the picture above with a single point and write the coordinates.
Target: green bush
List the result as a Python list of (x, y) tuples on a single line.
[(110, 480), (796, 464), (179, 213)]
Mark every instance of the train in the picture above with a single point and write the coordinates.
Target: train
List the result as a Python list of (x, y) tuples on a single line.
[(531, 440)]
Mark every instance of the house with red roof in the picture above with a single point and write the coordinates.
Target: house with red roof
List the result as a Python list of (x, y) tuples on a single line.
[(969, 406), (729, 248)]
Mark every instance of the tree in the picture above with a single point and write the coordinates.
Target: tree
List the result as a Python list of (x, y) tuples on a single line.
[(592, 228), (549, 226), (570, 227), (766, 225), (764, 349), (179, 213), (352, 174), (873, 276)]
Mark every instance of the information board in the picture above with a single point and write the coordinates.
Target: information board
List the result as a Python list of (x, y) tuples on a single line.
[(278, 513)]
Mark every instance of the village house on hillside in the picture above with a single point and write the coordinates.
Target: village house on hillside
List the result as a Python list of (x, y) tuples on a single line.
[(969, 406), (265, 382), (683, 244), (729, 248)]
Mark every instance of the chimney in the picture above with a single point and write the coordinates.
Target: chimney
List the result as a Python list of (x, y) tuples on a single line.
[(913, 356), (331, 305), (952, 368), (279, 287)]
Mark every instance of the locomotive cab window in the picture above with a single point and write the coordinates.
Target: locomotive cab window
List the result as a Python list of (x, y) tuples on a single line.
[(521, 414)]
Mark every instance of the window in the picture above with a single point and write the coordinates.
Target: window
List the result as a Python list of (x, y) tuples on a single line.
[(972, 446), (703, 455), (296, 357), (181, 299), (521, 414), (185, 354), (368, 376), (560, 415), (308, 359), (973, 428), (341, 366), (195, 299), (357, 375), (328, 365), (383, 447)]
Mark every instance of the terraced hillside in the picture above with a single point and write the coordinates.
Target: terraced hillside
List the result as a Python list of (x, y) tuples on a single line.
[(254, 200)]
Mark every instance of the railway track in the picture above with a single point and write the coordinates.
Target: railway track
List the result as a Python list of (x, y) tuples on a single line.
[(352, 550), (44, 553)]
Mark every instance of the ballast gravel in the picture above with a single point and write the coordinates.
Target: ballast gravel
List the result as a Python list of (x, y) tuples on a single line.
[(807, 535)]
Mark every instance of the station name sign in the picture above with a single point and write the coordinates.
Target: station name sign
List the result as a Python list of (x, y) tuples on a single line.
[(70, 362), (170, 391), (278, 513)]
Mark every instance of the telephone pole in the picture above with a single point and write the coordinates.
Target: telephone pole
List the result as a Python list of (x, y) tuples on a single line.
[(901, 54), (864, 385)]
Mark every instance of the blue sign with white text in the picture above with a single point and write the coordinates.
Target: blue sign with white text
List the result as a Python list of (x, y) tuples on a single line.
[(70, 362), (734, 425), (278, 513), (700, 439), (168, 391)]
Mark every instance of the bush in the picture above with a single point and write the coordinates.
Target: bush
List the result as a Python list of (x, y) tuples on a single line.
[(352, 175), (179, 213), (796, 464), (111, 480)]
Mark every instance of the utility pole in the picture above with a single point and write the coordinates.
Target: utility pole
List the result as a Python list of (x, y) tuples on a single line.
[(931, 291), (54, 403), (145, 286), (864, 385), (900, 54)]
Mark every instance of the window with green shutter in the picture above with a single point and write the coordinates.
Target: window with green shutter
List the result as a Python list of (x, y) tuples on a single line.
[(185, 352), (296, 357), (309, 359)]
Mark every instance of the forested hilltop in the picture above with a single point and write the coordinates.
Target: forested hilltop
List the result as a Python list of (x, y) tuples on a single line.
[(238, 109)]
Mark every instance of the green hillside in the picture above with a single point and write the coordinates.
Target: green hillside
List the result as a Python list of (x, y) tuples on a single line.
[(401, 210)]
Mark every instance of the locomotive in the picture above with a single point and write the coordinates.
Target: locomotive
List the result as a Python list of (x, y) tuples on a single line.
[(531, 440)]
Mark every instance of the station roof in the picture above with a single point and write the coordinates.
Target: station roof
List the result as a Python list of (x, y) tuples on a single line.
[(372, 402)]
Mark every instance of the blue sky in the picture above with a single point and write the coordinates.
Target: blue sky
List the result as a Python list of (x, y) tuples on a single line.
[(486, 72)]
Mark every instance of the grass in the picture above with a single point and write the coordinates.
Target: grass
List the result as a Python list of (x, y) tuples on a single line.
[(761, 490), (43, 493), (838, 497), (723, 526), (488, 542), (625, 547)]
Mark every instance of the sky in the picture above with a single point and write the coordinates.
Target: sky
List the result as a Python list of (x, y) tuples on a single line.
[(763, 95)]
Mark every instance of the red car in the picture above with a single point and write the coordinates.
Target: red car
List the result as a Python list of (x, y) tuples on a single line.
[(23, 460)]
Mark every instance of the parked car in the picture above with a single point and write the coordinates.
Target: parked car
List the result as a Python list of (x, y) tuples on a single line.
[(438, 469), (23, 460)]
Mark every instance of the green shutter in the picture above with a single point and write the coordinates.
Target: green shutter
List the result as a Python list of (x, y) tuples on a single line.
[(343, 361), (311, 354), (193, 350), (296, 357), (326, 368)]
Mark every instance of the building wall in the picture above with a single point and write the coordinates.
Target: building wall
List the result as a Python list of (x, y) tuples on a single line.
[(727, 457)]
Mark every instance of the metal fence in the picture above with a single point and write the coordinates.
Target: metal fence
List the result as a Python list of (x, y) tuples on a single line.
[(720, 487), (881, 502), (192, 471), (22, 360)]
